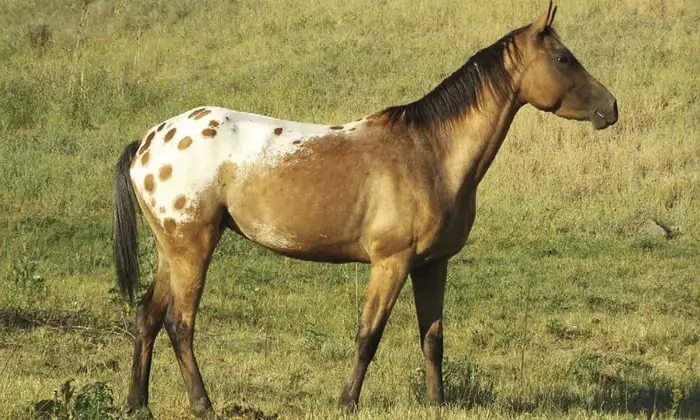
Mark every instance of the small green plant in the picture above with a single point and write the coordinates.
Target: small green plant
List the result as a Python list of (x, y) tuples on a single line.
[(678, 397), (93, 401), (466, 385), (29, 286), (39, 35), (20, 104)]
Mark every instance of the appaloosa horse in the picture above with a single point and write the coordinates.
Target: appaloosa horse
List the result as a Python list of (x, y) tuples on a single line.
[(395, 189)]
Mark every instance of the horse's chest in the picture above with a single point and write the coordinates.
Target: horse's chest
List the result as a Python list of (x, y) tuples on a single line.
[(449, 233)]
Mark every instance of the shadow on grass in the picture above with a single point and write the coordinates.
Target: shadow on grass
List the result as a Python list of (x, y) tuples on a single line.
[(624, 386), (627, 384), (236, 411), (614, 396), (15, 319), (95, 400), (19, 319)]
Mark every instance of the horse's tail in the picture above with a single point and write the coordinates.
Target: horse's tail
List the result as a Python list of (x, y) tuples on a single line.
[(124, 244)]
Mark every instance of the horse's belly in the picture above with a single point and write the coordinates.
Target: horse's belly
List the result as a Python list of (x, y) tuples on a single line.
[(321, 248), (310, 205), (311, 242), (303, 223)]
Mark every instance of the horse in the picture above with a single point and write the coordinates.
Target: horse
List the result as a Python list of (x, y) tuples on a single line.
[(395, 189)]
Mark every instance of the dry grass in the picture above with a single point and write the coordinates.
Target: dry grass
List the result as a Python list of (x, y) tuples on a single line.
[(611, 315)]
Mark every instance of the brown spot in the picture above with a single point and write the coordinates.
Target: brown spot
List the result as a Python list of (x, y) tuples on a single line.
[(162, 209), (169, 135), (336, 127), (180, 202), (144, 159), (202, 114), (296, 142), (147, 143), (149, 183), (184, 143), (153, 202), (278, 130), (209, 132), (165, 172), (170, 225), (160, 127), (213, 123), (195, 112)]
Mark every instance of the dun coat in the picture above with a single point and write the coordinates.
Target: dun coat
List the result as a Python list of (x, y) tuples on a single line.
[(396, 190)]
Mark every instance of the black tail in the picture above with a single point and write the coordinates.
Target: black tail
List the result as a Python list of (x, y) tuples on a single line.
[(124, 244)]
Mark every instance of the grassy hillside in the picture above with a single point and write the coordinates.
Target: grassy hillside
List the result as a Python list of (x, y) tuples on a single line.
[(558, 306)]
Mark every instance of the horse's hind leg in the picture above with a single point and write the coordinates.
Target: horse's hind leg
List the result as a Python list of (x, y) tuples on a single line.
[(189, 255), (149, 320)]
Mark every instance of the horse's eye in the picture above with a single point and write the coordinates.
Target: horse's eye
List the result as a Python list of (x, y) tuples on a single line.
[(563, 59)]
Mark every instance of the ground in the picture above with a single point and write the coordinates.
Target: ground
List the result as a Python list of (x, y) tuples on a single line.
[(558, 307)]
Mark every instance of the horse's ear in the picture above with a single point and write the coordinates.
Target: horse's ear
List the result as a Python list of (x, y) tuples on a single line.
[(543, 22), (551, 18)]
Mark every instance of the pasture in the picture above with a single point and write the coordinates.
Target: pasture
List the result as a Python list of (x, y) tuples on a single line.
[(559, 305)]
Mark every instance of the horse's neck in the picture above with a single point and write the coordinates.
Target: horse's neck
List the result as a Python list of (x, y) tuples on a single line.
[(470, 144)]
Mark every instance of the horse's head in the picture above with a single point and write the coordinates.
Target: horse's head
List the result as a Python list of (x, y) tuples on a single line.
[(553, 80)]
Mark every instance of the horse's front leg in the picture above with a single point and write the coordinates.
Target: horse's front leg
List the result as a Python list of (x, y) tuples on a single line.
[(429, 292), (387, 277)]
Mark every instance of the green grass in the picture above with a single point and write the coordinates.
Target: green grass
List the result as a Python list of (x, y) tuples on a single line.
[(557, 307)]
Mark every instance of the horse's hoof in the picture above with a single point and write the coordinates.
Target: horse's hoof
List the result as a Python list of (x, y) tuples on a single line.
[(347, 405), (202, 409), (140, 413)]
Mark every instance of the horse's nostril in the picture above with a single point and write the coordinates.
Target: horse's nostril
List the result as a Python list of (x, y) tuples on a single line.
[(615, 110)]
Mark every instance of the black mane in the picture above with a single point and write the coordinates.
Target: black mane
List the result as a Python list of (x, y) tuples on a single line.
[(463, 89)]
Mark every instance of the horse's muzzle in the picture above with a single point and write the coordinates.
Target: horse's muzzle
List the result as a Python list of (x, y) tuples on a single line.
[(605, 116)]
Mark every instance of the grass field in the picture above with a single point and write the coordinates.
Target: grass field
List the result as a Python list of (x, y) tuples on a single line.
[(557, 307)]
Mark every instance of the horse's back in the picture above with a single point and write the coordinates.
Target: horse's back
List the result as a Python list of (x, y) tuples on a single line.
[(211, 158)]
